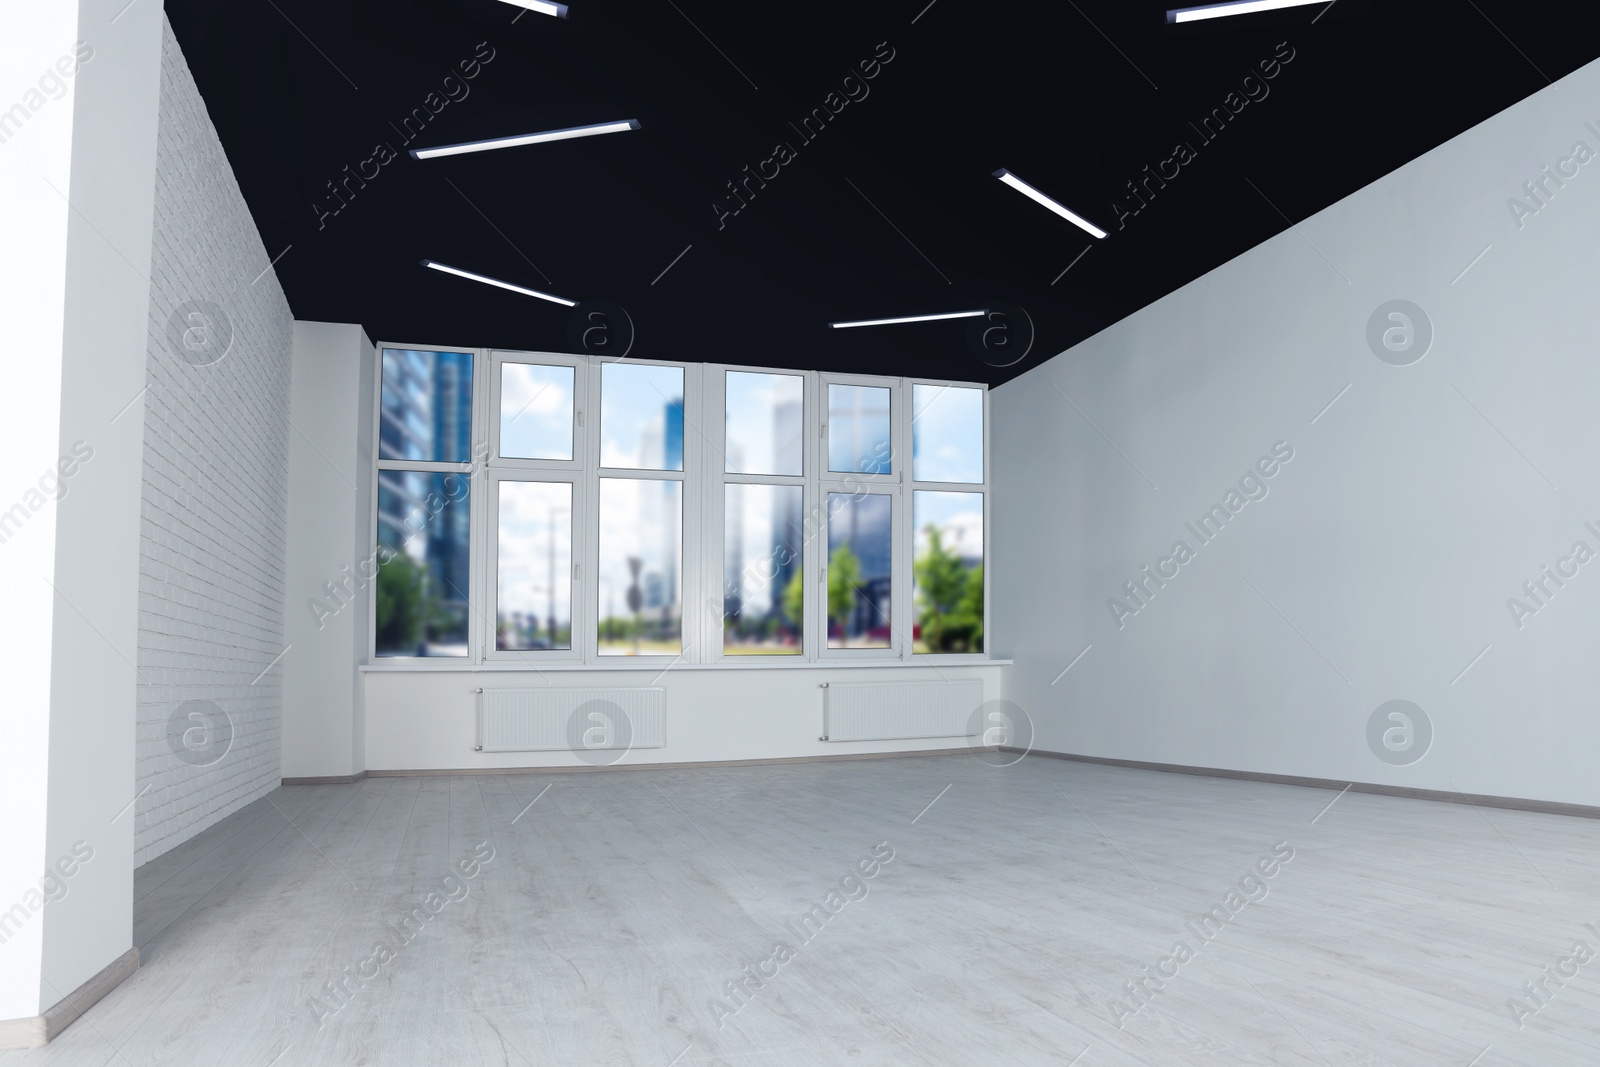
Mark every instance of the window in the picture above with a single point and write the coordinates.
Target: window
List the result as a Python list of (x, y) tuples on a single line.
[(764, 588), (533, 512), (641, 417), (859, 429), (948, 571), (763, 499), (534, 566), (947, 452), (427, 406), (424, 505), (641, 538), (544, 508), (640, 560), (536, 411), (765, 415), (860, 492), (860, 570), (947, 434)]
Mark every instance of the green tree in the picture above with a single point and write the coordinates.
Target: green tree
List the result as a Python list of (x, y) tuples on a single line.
[(941, 585), (444, 623), (844, 577), (970, 610), (794, 600), (618, 628), (400, 603)]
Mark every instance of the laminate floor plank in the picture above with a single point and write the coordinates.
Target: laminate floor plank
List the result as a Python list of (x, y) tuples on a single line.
[(216, 852), (637, 917)]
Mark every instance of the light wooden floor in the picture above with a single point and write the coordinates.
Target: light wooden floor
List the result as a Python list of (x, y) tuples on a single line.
[(1014, 910)]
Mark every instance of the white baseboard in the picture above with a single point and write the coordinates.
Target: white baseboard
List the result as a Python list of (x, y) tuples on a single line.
[(38, 1030)]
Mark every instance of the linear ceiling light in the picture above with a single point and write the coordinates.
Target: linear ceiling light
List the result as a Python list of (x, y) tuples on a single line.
[(525, 138), (1033, 194), (495, 281), (543, 8), (1235, 7), (909, 318)]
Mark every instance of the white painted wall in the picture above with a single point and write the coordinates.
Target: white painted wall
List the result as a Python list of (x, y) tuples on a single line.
[(76, 304), (216, 441), (33, 157), (341, 719), (330, 487), (426, 720), (1412, 510)]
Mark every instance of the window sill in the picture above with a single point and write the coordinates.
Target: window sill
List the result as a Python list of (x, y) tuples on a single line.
[(402, 666)]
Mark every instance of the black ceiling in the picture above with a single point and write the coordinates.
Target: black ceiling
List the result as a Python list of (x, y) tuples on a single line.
[(891, 209)]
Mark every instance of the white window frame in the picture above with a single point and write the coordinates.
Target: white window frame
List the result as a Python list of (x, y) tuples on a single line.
[(692, 479), (498, 358), (579, 519), (852, 482), (470, 468), (703, 523), (714, 548), (498, 470), (915, 486)]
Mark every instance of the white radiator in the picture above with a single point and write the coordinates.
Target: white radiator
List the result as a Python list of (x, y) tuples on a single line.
[(568, 720), (882, 711)]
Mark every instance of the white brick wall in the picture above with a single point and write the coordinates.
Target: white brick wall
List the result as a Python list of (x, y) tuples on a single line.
[(211, 595)]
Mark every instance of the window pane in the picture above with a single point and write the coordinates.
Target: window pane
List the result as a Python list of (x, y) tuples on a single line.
[(427, 406), (535, 411), (535, 574), (764, 420), (641, 537), (641, 417), (947, 434), (762, 589), (423, 537), (859, 540), (858, 429), (948, 570)]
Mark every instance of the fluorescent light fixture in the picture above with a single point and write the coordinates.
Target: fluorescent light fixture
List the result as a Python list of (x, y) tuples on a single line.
[(467, 274), (1235, 7), (543, 8), (525, 138), (1033, 194), (909, 318)]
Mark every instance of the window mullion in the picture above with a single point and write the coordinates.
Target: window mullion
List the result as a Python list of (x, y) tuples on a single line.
[(691, 607), (589, 569), (814, 615), (480, 616), (712, 595), (949, 487), (905, 605), (427, 466)]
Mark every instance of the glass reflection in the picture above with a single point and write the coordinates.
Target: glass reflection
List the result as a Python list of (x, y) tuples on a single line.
[(641, 417), (947, 566), (641, 545), (947, 434), (535, 411), (763, 593), (426, 406), (422, 563), (860, 551), (764, 423), (859, 429), (534, 577)]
